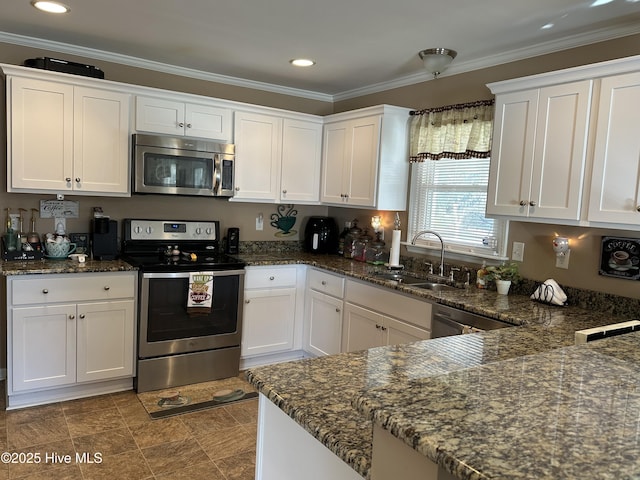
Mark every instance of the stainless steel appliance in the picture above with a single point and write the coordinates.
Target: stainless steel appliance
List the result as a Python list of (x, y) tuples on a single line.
[(447, 321), (175, 346), (182, 166)]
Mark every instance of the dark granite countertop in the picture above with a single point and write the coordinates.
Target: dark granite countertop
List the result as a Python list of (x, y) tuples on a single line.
[(336, 398), (31, 267)]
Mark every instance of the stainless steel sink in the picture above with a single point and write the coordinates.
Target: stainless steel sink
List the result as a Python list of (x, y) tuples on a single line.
[(400, 278), (436, 287)]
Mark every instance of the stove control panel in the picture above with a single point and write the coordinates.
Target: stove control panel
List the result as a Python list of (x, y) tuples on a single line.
[(170, 230)]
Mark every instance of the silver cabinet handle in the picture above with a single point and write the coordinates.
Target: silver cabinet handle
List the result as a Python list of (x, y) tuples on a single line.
[(532, 203), (323, 282), (378, 326), (384, 329), (247, 301), (337, 310), (272, 277), (188, 125), (72, 317), (638, 208), (77, 179), (68, 179), (107, 288), (284, 192), (237, 189), (523, 203), (45, 291), (181, 125), (82, 316)]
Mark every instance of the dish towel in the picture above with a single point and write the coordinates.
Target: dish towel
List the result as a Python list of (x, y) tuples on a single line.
[(550, 292), (200, 295)]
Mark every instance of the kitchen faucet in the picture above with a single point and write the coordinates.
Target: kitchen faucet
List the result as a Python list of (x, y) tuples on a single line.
[(424, 232)]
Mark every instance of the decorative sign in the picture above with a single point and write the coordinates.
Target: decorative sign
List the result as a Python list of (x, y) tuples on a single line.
[(59, 209), (620, 257), (284, 220)]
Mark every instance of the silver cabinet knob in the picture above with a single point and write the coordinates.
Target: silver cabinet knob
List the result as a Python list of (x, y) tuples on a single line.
[(237, 189), (638, 208), (247, 301), (77, 179), (72, 317), (532, 203), (272, 278), (523, 203), (107, 288), (82, 316), (337, 310), (181, 125), (384, 329), (323, 282), (45, 291), (284, 192), (188, 125), (68, 179)]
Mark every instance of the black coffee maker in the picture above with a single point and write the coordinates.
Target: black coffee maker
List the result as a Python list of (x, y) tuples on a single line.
[(104, 238), (321, 235)]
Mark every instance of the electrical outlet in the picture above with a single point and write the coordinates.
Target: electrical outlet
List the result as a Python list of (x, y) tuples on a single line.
[(259, 222), (517, 252), (562, 261)]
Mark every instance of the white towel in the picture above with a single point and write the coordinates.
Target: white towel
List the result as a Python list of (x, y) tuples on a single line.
[(550, 292), (200, 294)]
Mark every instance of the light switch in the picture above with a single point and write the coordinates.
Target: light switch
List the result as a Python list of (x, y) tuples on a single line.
[(517, 252)]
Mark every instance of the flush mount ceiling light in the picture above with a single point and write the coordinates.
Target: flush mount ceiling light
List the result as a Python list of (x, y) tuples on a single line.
[(302, 62), (436, 60), (50, 7)]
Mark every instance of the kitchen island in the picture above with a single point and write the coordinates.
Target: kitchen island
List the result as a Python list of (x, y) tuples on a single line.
[(340, 399)]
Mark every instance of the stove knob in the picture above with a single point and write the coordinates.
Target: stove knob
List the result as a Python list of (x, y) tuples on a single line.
[(198, 231), (209, 230), (137, 229), (149, 230)]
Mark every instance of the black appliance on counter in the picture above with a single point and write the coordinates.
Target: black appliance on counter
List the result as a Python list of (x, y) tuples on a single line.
[(104, 238), (321, 235), (176, 347)]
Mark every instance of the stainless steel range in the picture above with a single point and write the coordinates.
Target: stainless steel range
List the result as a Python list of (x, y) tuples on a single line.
[(179, 344)]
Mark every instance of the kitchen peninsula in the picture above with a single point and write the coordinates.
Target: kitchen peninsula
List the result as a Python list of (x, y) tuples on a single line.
[(519, 402)]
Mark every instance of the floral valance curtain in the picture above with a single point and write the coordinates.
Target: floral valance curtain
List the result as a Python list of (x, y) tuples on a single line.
[(455, 131)]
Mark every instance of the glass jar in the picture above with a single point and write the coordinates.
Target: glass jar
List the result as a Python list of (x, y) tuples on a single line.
[(375, 251), (351, 238)]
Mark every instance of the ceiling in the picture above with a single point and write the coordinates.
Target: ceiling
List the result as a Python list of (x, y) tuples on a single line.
[(360, 46)]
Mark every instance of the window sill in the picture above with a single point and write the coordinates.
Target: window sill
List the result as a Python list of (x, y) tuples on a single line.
[(455, 254)]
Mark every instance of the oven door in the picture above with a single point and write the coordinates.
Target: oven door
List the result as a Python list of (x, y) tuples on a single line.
[(165, 326)]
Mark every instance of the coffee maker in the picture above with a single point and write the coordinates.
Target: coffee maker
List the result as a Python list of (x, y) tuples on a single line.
[(104, 238)]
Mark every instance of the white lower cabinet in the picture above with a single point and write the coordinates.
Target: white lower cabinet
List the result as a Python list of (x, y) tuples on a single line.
[(323, 313), (69, 331), (376, 316), (270, 322)]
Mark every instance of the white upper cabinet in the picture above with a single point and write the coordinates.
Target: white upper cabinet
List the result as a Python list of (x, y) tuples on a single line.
[(566, 148), (539, 152), (277, 158), (615, 185), (365, 158), (66, 137), (175, 117)]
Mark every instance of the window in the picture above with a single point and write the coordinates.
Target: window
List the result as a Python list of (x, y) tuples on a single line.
[(449, 196)]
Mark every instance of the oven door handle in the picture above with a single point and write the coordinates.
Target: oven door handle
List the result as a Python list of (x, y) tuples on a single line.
[(216, 273)]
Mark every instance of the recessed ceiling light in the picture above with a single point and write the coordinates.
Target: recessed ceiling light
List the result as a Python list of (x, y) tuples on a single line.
[(597, 3), (302, 62), (547, 26), (50, 7)]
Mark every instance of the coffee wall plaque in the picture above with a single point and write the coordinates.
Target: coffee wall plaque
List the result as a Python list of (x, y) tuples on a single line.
[(620, 257)]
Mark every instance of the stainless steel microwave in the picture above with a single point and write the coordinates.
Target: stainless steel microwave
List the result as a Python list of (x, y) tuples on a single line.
[(182, 166)]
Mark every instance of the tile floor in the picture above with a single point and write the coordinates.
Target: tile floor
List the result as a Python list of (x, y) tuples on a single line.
[(214, 444)]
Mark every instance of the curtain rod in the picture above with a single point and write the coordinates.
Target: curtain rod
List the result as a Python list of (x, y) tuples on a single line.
[(459, 106)]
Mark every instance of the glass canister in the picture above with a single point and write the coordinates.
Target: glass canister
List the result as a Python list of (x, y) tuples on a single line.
[(351, 238), (342, 237), (360, 246), (375, 251)]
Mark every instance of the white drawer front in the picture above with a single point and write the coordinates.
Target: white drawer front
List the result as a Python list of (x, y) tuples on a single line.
[(72, 288), (270, 277), (326, 283)]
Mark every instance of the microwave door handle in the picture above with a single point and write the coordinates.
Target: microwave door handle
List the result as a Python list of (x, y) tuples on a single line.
[(217, 172)]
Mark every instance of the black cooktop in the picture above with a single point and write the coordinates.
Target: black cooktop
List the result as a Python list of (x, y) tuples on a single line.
[(150, 263)]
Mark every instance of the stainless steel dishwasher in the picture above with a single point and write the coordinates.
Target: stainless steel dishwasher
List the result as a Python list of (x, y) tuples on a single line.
[(447, 321)]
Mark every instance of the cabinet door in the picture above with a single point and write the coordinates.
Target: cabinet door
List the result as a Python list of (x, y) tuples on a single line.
[(335, 161), (40, 135), (258, 140), (101, 141), (560, 151), (615, 189), (398, 332), (105, 340), (301, 156), (159, 116), (268, 321), (323, 328), (363, 166), (362, 329), (43, 347), (207, 121), (512, 154)]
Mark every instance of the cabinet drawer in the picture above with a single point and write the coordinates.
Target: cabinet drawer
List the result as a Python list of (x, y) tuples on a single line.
[(71, 288), (326, 283), (270, 277)]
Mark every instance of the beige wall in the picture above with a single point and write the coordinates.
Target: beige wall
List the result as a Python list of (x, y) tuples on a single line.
[(539, 260)]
